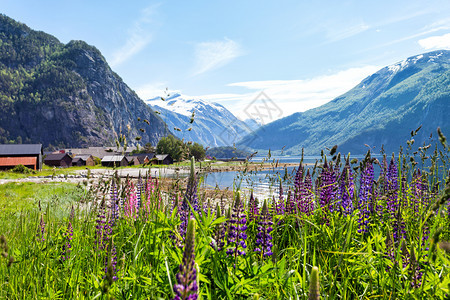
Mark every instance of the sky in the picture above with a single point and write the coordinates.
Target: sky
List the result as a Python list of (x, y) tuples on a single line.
[(300, 54)]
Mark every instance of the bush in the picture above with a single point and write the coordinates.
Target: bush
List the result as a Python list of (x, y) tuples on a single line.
[(21, 169), (97, 160)]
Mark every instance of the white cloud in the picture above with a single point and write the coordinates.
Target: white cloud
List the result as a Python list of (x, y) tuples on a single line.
[(153, 89), (436, 42), (294, 95), (213, 55), (139, 36), (347, 32)]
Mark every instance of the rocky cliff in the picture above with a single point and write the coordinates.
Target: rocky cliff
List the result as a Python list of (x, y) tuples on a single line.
[(65, 95)]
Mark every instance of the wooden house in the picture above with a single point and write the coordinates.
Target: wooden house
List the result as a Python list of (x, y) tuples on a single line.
[(140, 159), (83, 160), (114, 161), (58, 160), (163, 159), (29, 155)]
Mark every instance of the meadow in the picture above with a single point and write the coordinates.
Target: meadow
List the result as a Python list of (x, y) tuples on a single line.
[(339, 232)]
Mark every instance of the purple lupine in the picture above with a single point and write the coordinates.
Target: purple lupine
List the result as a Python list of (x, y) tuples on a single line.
[(365, 197), (186, 287), (263, 241), (253, 209), (298, 183), (219, 231), (398, 227), (392, 187), (327, 187), (291, 207), (190, 197), (41, 232), (346, 189), (409, 261), (306, 203), (185, 214), (99, 228), (67, 247), (236, 229), (279, 206), (103, 229), (110, 263)]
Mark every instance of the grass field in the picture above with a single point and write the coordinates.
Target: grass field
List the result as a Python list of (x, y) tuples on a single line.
[(365, 237)]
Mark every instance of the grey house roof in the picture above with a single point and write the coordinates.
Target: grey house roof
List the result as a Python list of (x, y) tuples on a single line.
[(83, 156), (20, 149), (56, 156), (113, 158), (161, 156)]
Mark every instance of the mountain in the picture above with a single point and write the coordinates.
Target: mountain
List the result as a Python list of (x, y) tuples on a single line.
[(381, 110), (213, 124), (65, 95)]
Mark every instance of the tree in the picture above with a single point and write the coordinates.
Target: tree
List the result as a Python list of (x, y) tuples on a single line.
[(171, 145), (197, 151)]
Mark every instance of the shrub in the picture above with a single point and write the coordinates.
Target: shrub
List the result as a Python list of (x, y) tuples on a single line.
[(21, 169)]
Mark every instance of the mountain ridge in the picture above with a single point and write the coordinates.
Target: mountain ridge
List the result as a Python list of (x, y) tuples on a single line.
[(65, 95), (212, 126), (381, 110)]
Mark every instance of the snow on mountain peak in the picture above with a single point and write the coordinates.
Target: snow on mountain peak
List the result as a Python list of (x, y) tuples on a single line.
[(184, 105), (404, 63)]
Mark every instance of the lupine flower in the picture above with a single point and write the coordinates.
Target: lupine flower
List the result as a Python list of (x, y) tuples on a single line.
[(190, 197), (290, 204), (236, 230), (103, 229), (365, 195), (99, 228), (41, 233), (66, 248), (110, 263), (298, 183), (186, 287), (219, 231), (253, 209), (327, 187), (263, 238), (130, 206), (398, 227), (392, 187), (346, 189), (306, 203), (191, 190), (139, 193), (409, 260)]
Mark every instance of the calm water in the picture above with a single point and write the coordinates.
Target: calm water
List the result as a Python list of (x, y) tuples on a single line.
[(264, 183)]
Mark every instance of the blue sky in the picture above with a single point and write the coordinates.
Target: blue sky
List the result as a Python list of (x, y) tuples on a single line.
[(300, 53)]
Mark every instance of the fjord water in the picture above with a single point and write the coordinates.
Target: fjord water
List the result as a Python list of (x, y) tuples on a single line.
[(265, 183)]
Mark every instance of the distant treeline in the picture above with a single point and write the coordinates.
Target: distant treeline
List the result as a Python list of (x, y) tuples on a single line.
[(226, 152)]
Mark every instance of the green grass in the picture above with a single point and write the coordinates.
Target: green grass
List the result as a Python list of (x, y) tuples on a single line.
[(21, 196), (149, 247)]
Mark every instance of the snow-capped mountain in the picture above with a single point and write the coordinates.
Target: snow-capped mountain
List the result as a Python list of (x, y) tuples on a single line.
[(381, 110), (213, 125)]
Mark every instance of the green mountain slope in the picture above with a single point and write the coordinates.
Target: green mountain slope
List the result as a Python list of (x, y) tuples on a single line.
[(65, 95), (381, 110)]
